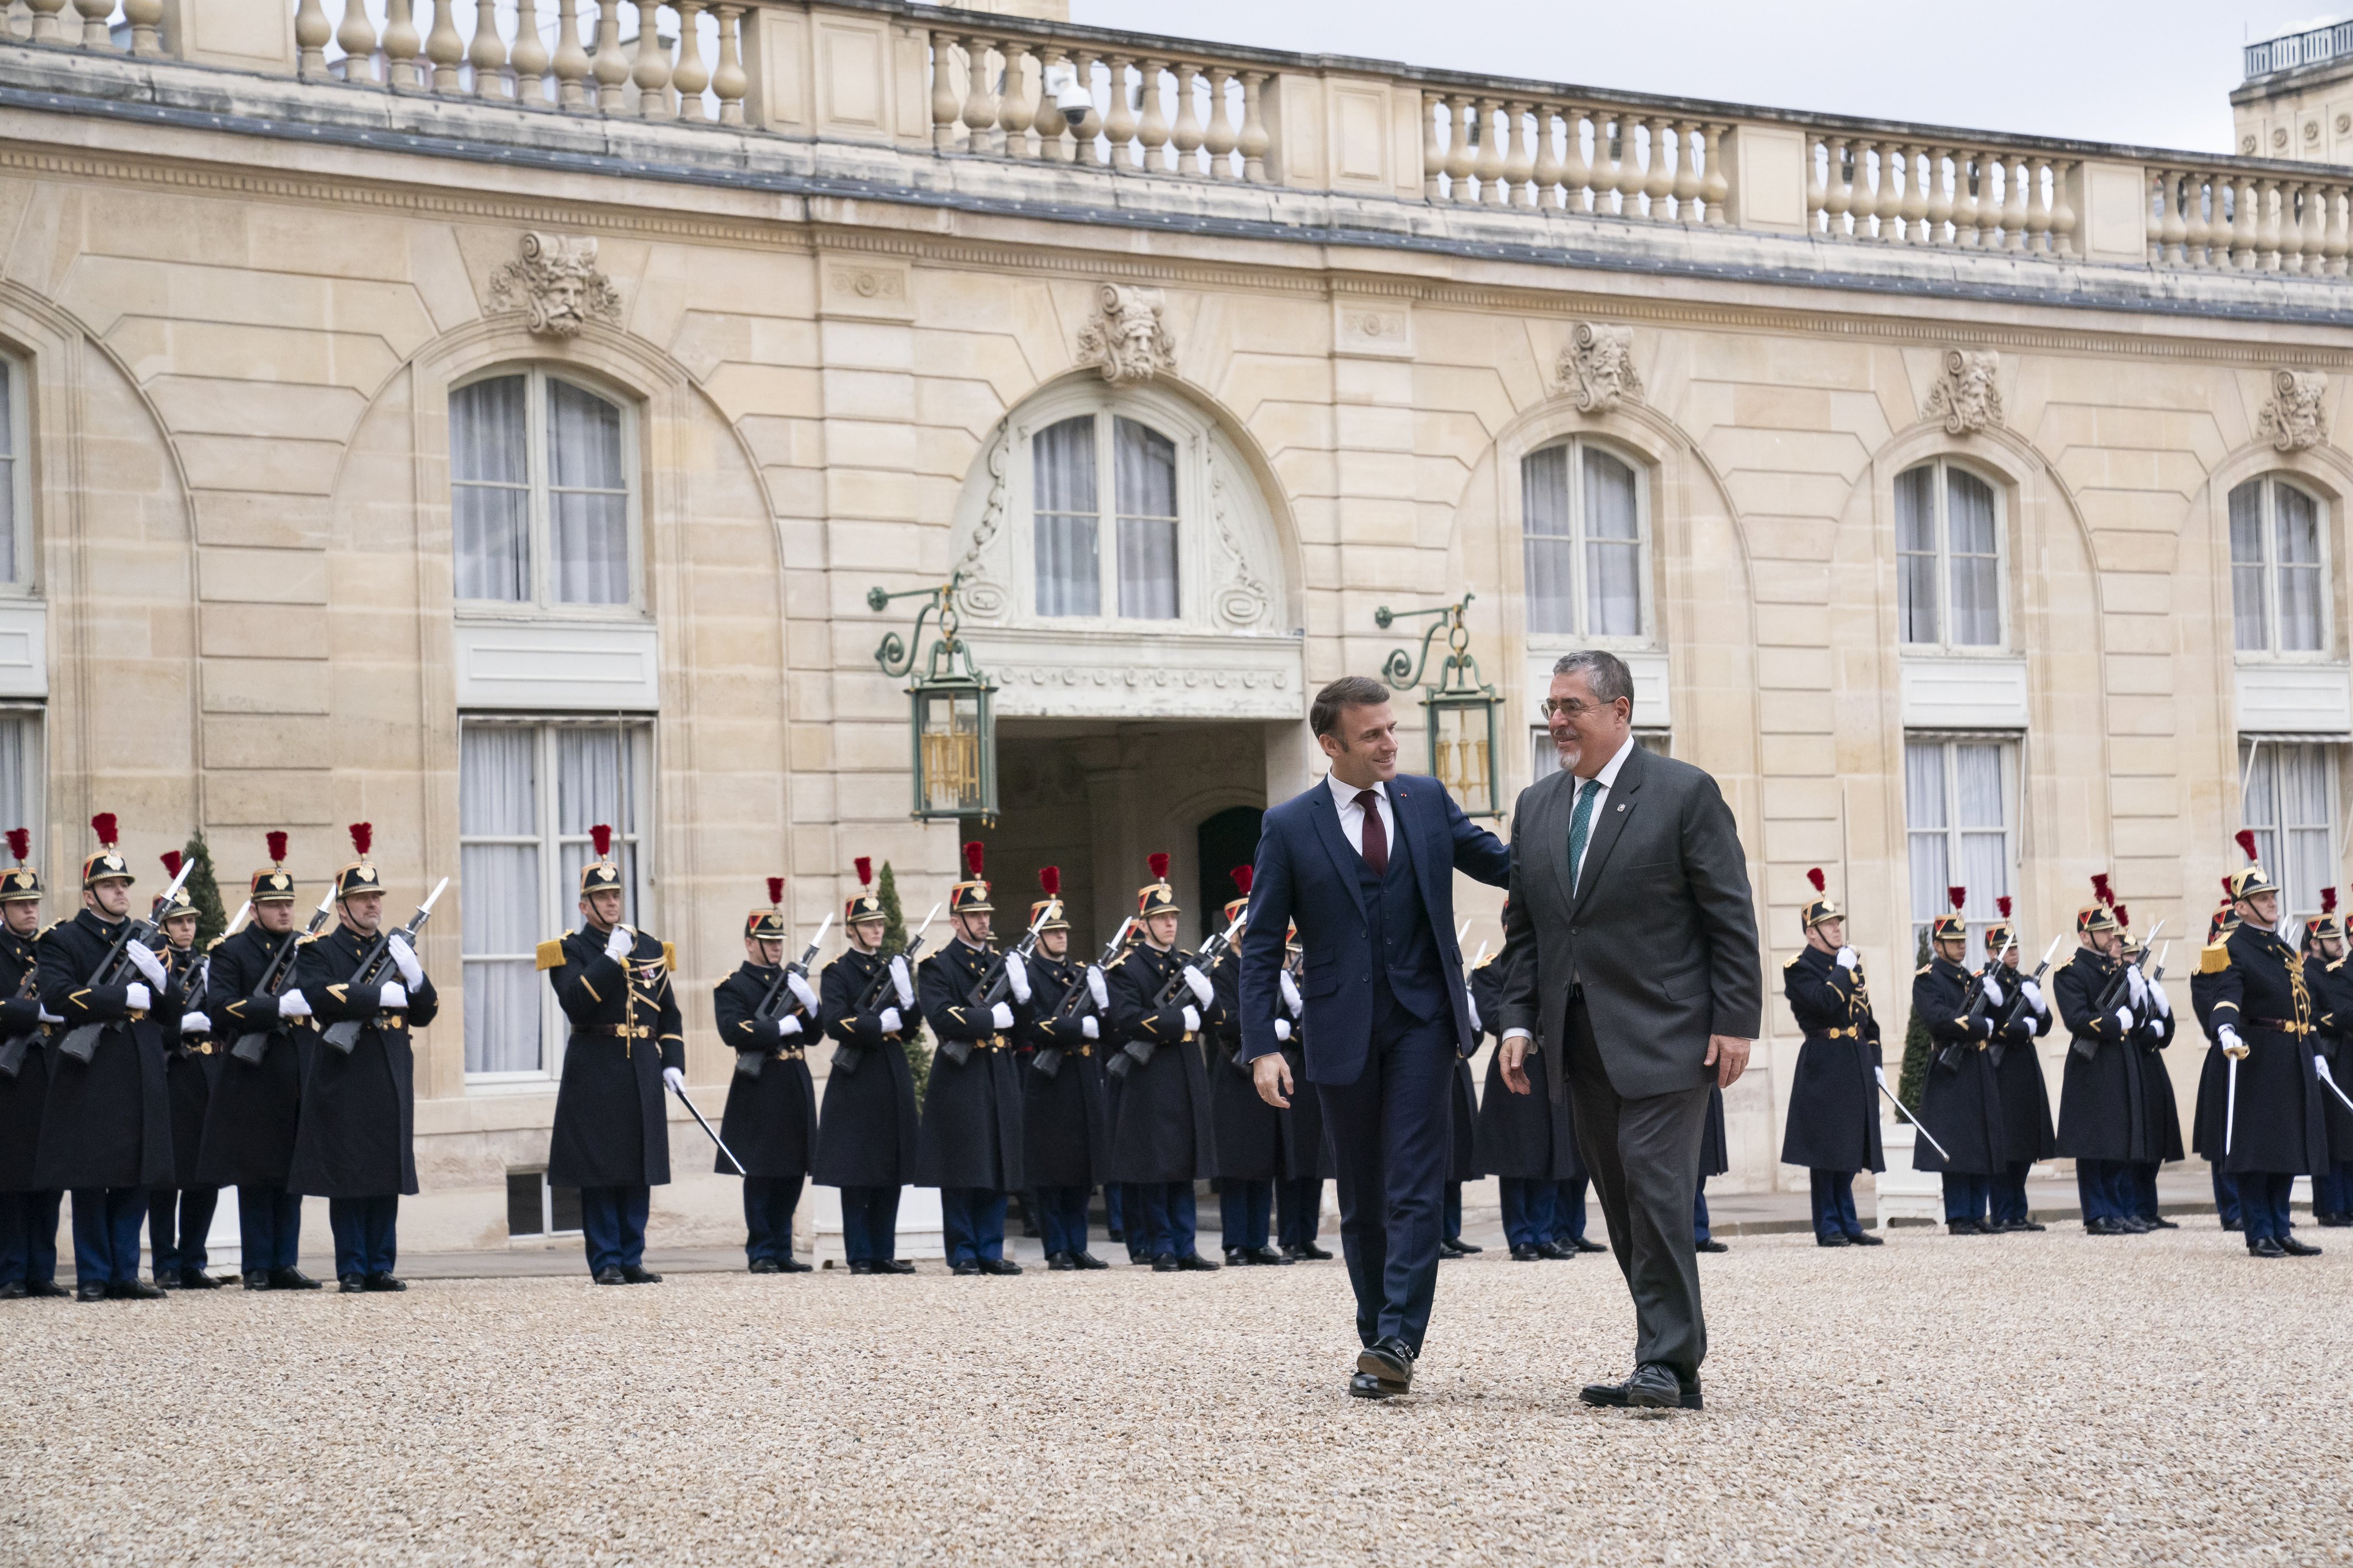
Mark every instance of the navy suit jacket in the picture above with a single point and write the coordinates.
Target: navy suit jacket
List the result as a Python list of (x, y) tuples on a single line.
[(1307, 872)]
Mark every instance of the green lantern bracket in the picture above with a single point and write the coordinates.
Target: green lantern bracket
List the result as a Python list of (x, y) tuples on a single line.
[(1458, 707), (952, 722)]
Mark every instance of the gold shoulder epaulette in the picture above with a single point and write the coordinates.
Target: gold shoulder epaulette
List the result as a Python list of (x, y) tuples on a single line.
[(215, 942), (1484, 962), (1924, 968), (46, 930), (1791, 962), (2214, 958), (551, 954), (670, 956)]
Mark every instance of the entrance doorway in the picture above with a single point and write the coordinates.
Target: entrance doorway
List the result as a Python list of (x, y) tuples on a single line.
[(1221, 844)]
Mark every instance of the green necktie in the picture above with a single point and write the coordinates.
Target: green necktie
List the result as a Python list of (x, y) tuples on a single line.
[(1580, 828)]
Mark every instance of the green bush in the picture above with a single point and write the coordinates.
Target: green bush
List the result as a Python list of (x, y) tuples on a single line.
[(1914, 1077), (204, 891), (894, 940)]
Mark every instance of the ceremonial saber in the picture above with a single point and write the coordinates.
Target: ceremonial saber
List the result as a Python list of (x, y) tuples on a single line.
[(1909, 1115), (709, 1132), (2231, 1105), (2321, 1067)]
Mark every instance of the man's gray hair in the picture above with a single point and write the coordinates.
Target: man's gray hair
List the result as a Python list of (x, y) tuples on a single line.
[(1604, 673)]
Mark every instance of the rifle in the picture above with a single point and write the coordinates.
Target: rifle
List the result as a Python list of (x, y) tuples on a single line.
[(845, 1055), (345, 1034), (2109, 999), (1048, 1060), (992, 986), (81, 1042), (14, 1050), (2017, 1003), (251, 1045), (2155, 976), (1135, 1054), (749, 1063), (1950, 1058)]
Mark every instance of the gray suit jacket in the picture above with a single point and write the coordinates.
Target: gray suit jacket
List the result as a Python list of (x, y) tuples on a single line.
[(1661, 931)]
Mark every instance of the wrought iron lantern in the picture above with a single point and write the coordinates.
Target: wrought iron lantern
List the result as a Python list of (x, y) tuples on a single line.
[(1458, 709), (952, 723)]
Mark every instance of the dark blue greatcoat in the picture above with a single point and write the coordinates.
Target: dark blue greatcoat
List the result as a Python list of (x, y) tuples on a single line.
[(1531, 1136), (2272, 996), (971, 1135), (108, 1124), (2153, 1031), (612, 1121), (770, 1123), (248, 1139), (865, 1133), (2103, 1095), (1959, 1105), (1163, 1128), (356, 1135), (1247, 1133), (2337, 990), (2206, 1117), (192, 1069), (22, 1097), (1065, 1125), (1833, 1098)]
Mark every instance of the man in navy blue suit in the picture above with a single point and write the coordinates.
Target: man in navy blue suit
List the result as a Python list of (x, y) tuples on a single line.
[(1364, 863)]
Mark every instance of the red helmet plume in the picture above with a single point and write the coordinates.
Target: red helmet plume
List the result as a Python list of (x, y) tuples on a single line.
[(2100, 891), (171, 862), (2123, 919), (363, 837), (1957, 896), (2327, 900), (103, 825), (1160, 864), (601, 838), (1049, 878), (276, 838), (2226, 887), (974, 852), (776, 891), (20, 843), (2002, 903), (1814, 875), (2246, 838), (1241, 876), (864, 866)]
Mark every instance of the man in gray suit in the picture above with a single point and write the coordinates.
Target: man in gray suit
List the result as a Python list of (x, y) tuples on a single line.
[(1632, 950)]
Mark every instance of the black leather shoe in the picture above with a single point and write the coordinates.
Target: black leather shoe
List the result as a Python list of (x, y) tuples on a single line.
[(384, 1283), (134, 1291), (13, 1291), (999, 1266), (894, 1266), (2159, 1222), (1464, 1249), (1059, 1263), (197, 1279), (1266, 1256), (2294, 1248), (1710, 1245), (1452, 1247), (1656, 1379), (1965, 1228), (293, 1279), (2232, 1225), (609, 1276), (1584, 1246), (791, 1266), (637, 1275), (861, 1267), (971, 1269), (1238, 1257), (1194, 1263), (1555, 1251), (762, 1266), (1118, 1235), (351, 1284), (1864, 1239), (46, 1289), (1365, 1385), (1526, 1254), (258, 1279), (2264, 1247), (1313, 1253), (1835, 1238), (2132, 1225), (1083, 1260), (2334, 1221), (90, 1292), (1390, 1363), (2103, 1227), (170, 1282)]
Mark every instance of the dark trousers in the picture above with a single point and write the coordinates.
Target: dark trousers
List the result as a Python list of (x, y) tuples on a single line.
[(106, 1234), (869, 1224), (1061, 1218), (972, 1222), (28, 1237), (367, 1233), (2105, 1189), (178, 1220), (1967, 1196), (1392, 1130), (1527, 1204), (613, 1225), (270, 1227), (1833, 1194), (1700, 1231), (1162, 1219), (1569, 1210), (2332, 1191), (768, 1204), (1243, 1211), (1125, 1203), (1643, 1155), (2262, 1205), (1298, 1210), (2226, 1199), (2008, 1201), (2142, 1174), (1450, 1220)]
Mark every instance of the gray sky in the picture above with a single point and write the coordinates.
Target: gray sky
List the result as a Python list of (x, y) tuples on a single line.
[(2152, 73)]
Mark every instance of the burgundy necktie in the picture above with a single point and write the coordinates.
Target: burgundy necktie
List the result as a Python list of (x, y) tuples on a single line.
[(1377, 838)]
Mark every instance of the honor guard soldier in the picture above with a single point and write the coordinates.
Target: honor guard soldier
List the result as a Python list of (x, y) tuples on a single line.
[(354, 1140), (28, 1212), (969, 1145), (1714, 1159), (768, 1014), (866, 1134), (1462, 1148), (2023, 1017), (611, 1136), (2213, 1077), (1065, 1131), (262, 1019), (1960, 1104), (179, 1215), (2102, 1124), (1246, 1132), (1833, 1126), (1525, 1139), (2153, 1027), (2269, 1014), (1299, 1194), (106, 1129), (1162, 1135), (2323, 942)]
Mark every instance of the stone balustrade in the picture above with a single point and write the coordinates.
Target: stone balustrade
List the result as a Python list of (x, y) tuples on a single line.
[(1016, 91)]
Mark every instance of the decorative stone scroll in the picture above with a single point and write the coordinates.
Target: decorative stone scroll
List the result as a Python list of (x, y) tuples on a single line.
[(1966, 397), (1599, 367), (556, 283), (2291, 420), (1125, 338)]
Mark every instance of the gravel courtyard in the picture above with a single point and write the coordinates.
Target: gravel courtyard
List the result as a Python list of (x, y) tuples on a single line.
[(2007, 1399)]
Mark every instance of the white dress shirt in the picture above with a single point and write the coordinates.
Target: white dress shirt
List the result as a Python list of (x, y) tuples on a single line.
[(1352, 815), (1606, 778)]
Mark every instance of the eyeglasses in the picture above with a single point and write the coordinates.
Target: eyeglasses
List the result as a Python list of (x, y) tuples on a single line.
[(1570, 708)]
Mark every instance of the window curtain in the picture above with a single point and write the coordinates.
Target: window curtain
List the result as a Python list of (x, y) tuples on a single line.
[(498, 804), (1924, 816), (490, 488), (1546, 534), (1976, 559), (1613, 548), (2250, 615), (8, 456), (588, 779), (2296, 525), (2287, 807), (1982, 807), (1915, 558), (20, 772), (1063, 476), (1145, 472), (587, 498)]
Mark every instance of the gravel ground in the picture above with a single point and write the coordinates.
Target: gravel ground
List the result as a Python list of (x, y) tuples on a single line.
[(2040, 1398)]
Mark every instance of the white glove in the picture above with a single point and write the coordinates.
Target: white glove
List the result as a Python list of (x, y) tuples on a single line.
[(1847, 959), (617, 946), (1472, 1004), (1283, 1028), (143, 959), (1192, 1019), (404, 958), (2164, 1004), (1016, 975), (1001, 1015), (2231, 1045), (1290, 992), (899, 981), (392, 997), (1088, 1027), (49, 1018), (674, 1081), (1097, 989), (1198, 985), (889, 1020), (195, 1023), (2124, 1019), (2135, 984), (293, 1005), (787, 1026), (800, 987), (135, 996), (2033, 994), (1993, 989)]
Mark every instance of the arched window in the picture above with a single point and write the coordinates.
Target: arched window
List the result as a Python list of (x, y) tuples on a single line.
[(1084, 470), (15, 487), (542, 494), (1948, 552), (1585, 527), (2279, 601)]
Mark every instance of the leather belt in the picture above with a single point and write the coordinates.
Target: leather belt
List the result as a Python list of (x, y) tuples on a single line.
[(789, 1053), (1850, 1033), (391, 1021), (2280, 1026), (202, 1049), (622, 1031)]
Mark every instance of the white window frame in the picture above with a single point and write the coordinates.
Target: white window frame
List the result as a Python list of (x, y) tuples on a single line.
[(2296, 902), (542, 603), (1980, 911), (2268, 518), (1939, 487), (35, 781), (1645, 473), (1190, 437), (559, 899), (19, 581)]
